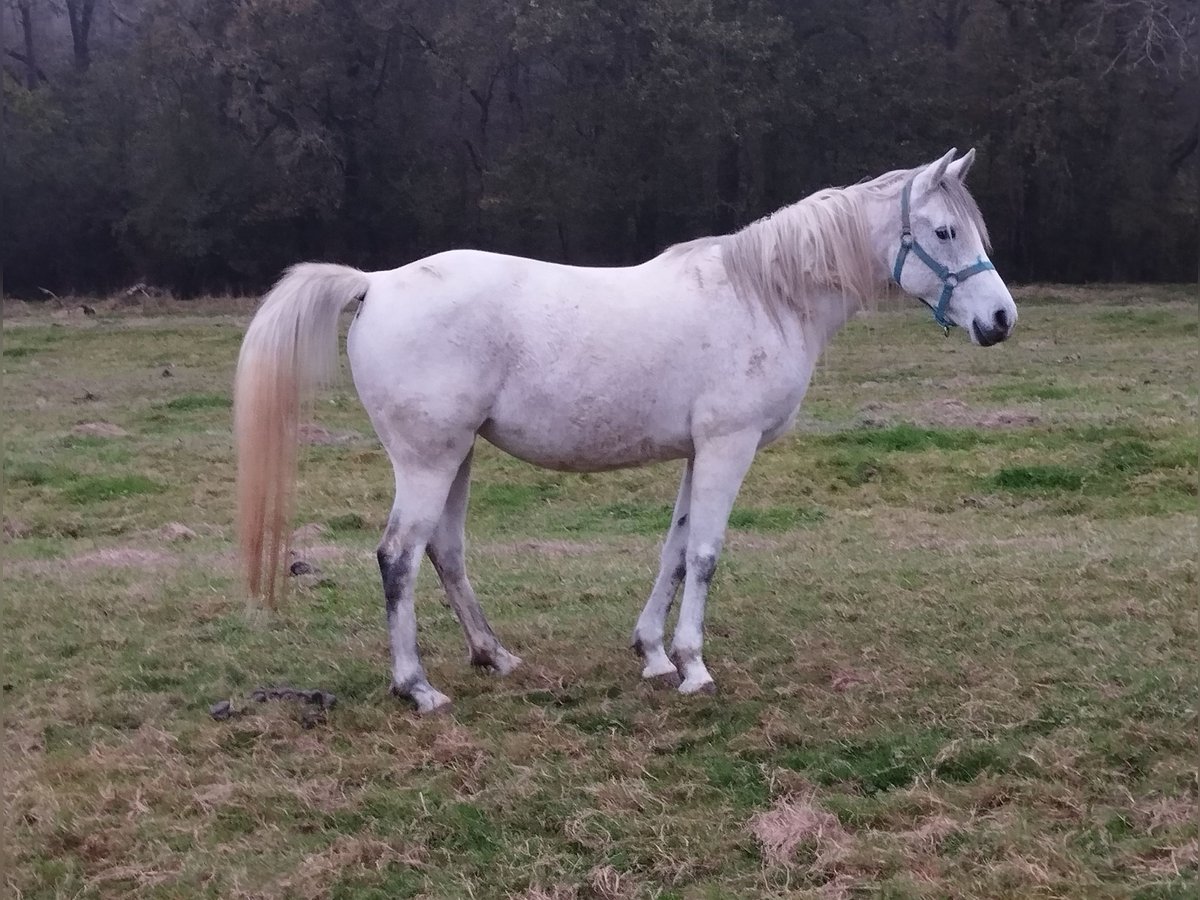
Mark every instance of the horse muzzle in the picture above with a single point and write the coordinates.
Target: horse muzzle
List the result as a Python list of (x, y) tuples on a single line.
[(985, 334)]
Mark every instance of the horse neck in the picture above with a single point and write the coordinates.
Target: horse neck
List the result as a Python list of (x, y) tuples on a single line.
[(814, 262), (827, 313)]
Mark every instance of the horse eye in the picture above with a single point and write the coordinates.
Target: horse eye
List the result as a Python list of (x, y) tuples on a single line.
[(944, 233)]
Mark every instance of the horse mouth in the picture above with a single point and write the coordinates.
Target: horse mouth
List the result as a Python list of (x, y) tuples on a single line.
[(986, 337)]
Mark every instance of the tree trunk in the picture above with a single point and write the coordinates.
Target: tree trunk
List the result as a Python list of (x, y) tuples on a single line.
[(80, 14), (31, 70)]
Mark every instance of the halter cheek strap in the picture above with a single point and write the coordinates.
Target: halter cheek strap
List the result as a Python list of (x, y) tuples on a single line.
[(950, 280)]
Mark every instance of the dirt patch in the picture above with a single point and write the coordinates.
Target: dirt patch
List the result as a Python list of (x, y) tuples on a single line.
[(319, 553), (554, 548), (946, 412), (110, 558), (99, 429), (1008, 418), (317, 436), (176, 531), (14, 528), (123, 558), (308, 532), (957, 414)]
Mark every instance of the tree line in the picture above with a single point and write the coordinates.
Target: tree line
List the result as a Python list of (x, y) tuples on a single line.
[(203, 145)]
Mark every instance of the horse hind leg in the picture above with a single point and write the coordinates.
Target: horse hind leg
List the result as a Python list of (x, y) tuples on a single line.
[(647, 640), (420, 498), (447, 553)]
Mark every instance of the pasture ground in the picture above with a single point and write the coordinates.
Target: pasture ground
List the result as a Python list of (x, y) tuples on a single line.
[(954, 630)]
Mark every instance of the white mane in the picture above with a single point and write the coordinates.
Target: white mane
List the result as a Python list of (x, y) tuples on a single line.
[(822, 241)]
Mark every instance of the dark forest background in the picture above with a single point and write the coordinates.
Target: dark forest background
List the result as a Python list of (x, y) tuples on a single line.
[(203, 146)]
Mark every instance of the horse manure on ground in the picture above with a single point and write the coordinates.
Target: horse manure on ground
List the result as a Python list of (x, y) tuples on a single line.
[(316, 703)]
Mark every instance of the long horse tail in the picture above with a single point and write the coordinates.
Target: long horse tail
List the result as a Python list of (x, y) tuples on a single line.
[(290, 350)]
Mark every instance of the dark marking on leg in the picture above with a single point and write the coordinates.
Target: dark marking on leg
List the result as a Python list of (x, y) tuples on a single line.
[(706, 567), (483, 658), (679, 574), (450, 569), (682, 521), (395, 572), (405, 690)]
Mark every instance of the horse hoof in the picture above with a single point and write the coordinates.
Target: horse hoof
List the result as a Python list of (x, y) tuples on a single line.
[(699, 687), (432, 704), (426, 700), (505, 664), (661, 670)]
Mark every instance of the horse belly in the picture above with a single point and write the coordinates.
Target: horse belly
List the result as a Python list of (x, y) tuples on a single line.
[(588, 435)]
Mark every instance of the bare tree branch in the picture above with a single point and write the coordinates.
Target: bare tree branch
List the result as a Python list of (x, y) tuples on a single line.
[(1149, 33)]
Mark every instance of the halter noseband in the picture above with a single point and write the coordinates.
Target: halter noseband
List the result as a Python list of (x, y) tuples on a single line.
[(950, 280)]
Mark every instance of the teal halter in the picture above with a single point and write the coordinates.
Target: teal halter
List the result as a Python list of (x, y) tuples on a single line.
[(950, 280)]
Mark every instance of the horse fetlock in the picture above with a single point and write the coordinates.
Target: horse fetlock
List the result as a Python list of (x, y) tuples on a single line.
[(494, 659)]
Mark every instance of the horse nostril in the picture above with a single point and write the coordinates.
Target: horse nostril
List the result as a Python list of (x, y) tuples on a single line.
[(1001, 319)]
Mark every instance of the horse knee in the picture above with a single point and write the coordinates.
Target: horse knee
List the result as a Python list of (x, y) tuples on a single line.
[(703, 564)]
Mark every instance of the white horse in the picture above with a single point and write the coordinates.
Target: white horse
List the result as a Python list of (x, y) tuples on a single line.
[(702, 353)]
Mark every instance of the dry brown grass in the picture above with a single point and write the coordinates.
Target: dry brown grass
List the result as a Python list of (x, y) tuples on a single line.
[(795, 822), (346, 857)]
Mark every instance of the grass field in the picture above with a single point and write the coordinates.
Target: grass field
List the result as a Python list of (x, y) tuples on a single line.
[(955, 633)]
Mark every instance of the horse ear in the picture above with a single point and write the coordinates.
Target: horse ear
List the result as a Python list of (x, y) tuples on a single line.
[(959, 168), (931, 176)]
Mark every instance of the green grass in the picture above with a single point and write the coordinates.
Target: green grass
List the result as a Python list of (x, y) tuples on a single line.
[(1040, 478), (97, 489), (1023, 391), (954, 624)]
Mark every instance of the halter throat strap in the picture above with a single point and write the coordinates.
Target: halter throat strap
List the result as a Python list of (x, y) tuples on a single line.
[(950, 280)]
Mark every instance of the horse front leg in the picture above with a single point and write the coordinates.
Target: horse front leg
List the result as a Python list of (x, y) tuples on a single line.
[(647, 640), (719, 467)]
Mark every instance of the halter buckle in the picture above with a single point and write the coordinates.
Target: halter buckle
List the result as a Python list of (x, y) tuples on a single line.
[(952, 280), (906, 238)]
